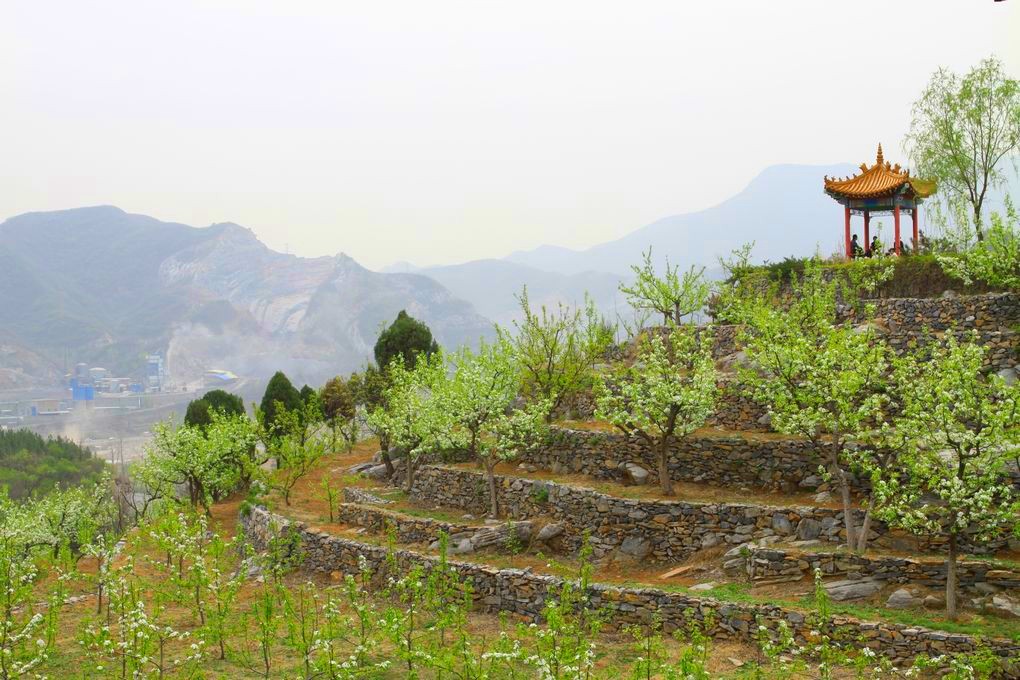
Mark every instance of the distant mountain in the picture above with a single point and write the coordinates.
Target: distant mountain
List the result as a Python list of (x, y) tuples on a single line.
[(492, 286), (105, 287), (783, 210)]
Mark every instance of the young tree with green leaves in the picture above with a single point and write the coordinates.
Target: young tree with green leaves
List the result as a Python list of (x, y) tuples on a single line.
[(279, 398), (295, 460), (208, 464), (407, 338), (994, 260), (369, 390), (20, 622), (962, 430), (963, 129), (667, 394), (340, 410), (480, 397), (818, 379), (415, 418), (675, 295), (557, 350), (221, 401)]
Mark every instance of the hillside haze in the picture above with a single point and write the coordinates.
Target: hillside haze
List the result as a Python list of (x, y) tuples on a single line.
[(105, 287), (783, 210)]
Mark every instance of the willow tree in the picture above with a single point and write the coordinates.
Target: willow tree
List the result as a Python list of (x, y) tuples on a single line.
[(962, 130)]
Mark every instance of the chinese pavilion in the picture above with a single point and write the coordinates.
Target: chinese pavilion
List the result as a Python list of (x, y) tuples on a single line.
[(880, 188)]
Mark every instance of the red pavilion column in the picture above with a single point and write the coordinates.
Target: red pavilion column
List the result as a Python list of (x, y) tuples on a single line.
[(896, 222), (847, 234), (917, 240), (867, 232)]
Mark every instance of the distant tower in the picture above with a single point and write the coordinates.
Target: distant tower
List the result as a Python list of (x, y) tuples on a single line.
[(155, 373)]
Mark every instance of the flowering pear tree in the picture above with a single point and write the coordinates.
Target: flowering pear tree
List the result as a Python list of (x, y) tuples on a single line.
[(481, 397), (557, 350), (818, 379), (22, 649), (962, 429), (673, 294), (667, 394), (414, 418), (209, 463)]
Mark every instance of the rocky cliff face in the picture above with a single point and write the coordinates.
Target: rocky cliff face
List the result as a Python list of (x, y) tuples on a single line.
[(109, 287)]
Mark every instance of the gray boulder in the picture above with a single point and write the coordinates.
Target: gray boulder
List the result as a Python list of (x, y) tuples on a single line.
[(634, 474), (1004, 606), (781, 525), (808, 529), (549, 532), (850, 589), (903, 599), (810, 482), (634, 548)]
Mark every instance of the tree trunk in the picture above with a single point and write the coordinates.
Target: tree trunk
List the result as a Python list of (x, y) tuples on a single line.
[(388, 463), (493, 498), (951, 579), (664, 480), (862, 537), (409, 481), (844, 489)]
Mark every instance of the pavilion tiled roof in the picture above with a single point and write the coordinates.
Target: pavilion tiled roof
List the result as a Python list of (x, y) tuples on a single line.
[(878, 180)]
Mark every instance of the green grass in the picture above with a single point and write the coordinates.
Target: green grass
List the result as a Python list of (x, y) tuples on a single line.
[(981, 625)]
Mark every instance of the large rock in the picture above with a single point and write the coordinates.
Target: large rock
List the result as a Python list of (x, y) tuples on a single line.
[(1004, 606), (633, 548), (850, 589), (376, 472), (634, 474), (903, 599), (549, 532), (808, 529), (1008, 375), (781, 525), (810, 482)]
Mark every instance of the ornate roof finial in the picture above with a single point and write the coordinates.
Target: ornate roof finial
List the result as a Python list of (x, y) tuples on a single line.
[(879, 161)]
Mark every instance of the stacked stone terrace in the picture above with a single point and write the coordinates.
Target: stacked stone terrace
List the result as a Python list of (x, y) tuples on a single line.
[(752, 541)]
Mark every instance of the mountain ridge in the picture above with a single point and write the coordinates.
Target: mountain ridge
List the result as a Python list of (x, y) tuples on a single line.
[(107, 287)]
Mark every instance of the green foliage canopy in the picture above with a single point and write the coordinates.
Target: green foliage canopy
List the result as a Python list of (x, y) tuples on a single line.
[(225, 403), (280, 397), (31, 465), (963, 128), (406, 338)]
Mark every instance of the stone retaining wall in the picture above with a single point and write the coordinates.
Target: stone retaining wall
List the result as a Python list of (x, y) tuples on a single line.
[(408, 529), (463, 538), (764, 563), (626, 529), (523, 594), (990, 311), (654, 530), (720, 459)]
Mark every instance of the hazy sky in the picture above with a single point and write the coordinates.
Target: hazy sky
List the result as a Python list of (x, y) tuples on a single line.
[(438, 131)]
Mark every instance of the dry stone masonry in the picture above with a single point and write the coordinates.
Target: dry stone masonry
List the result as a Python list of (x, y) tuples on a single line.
[(991, 311), (723, 459), (523, 594), (463, 538), (771, 562), (623, 529)]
